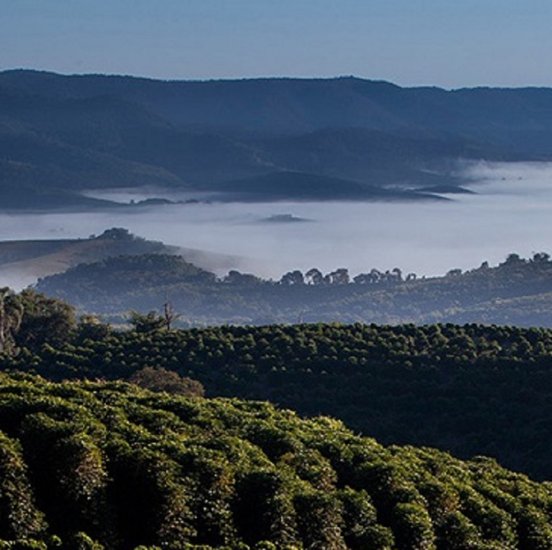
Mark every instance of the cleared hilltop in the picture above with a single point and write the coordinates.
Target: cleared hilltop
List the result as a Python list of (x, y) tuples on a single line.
[(23, 262)]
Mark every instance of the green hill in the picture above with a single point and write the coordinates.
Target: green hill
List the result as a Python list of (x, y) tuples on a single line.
[(516, 292), (108, 465), (469, 390)]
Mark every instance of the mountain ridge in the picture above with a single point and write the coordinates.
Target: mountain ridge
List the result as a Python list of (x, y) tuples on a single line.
[(69, 133), (53, 73)]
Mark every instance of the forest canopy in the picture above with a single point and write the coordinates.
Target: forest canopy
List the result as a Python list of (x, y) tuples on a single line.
[(469, 389)]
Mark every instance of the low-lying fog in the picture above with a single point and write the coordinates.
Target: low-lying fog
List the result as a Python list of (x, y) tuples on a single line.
[(511, 211)]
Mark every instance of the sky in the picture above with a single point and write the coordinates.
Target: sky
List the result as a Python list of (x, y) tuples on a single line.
[(448, 43)]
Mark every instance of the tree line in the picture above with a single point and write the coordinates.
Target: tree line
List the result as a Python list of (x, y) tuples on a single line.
[(518, 291), (469, 389)]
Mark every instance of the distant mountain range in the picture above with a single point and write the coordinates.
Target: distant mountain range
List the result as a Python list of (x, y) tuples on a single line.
[(62, 134)]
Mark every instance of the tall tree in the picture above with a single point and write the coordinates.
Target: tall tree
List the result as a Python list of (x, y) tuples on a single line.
[(45, 320), (11, 317)]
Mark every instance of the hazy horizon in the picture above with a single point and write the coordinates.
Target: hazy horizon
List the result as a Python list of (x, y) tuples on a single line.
[(509, 212), (448, 44), (267, 77)]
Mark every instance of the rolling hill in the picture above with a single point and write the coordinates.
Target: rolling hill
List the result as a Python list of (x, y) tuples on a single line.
[(516, 292), (27, 261), (62, 134), (108, 465), (469, 390)]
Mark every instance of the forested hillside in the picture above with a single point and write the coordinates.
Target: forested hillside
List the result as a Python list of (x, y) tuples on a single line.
[(470, 390), (108, 465), (353, 139), (518, 291)]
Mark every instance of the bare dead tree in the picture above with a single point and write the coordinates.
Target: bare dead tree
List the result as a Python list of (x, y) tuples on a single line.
[(170, 315)]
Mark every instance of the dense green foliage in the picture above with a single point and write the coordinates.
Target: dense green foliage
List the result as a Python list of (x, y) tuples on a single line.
[(517, 291), (471, 390), (108, 465), (29, 320)]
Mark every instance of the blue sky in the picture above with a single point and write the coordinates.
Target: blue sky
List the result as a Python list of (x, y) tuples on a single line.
[(410, 42)]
